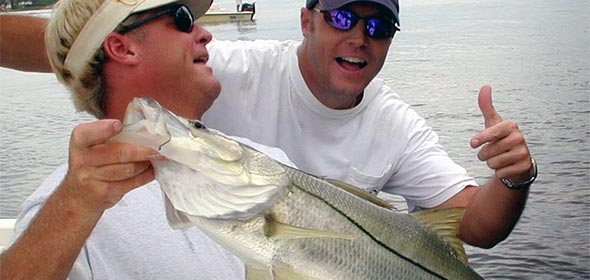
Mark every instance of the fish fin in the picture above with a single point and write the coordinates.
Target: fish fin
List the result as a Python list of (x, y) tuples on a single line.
[(445, 223), (360, 193), (284, 273), (280, 230), (253, 273), (274, 273)]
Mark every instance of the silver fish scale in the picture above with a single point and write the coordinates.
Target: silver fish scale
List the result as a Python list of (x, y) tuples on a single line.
[(386, 245)]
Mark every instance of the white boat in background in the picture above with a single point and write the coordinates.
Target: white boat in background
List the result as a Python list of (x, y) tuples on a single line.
[(6, 232), (244, 12)]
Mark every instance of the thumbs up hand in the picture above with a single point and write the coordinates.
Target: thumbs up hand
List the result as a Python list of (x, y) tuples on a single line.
[(503, 146)]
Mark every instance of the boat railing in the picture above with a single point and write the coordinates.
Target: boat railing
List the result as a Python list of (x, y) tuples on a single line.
[(6, 232)]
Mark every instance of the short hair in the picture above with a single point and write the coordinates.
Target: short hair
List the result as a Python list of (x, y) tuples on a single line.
[(74, 38), (68, 19)]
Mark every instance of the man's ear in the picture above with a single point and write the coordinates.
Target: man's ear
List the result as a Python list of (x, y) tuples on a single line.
[(305, 20), (120, 48)]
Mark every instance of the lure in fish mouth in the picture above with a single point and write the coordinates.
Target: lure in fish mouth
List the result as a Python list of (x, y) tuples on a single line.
[(285, 223)]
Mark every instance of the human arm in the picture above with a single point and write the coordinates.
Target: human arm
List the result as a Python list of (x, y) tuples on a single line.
[(99, 174), (22, 45), (493, 210)]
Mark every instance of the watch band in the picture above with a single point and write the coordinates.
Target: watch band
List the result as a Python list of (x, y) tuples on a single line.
[(525, 184)]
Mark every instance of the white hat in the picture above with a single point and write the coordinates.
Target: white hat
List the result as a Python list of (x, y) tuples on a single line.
[(104, 21)]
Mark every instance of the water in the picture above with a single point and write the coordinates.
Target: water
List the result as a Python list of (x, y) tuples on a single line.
[(535, 54)]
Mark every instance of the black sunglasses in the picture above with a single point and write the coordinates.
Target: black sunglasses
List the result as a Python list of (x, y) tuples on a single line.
[(378, 27), (183, 19)]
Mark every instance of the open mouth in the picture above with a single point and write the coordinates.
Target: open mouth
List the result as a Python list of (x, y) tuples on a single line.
[(200, 60), (351, 63)]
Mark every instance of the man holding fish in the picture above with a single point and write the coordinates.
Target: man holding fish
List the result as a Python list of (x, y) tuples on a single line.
[(159, 54), (94, 223)]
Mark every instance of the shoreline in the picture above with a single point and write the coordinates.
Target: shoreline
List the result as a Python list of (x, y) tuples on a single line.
[(26, 9)]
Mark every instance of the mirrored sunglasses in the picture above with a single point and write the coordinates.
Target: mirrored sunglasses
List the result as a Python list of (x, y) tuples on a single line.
[(378, 27), (183, 19)]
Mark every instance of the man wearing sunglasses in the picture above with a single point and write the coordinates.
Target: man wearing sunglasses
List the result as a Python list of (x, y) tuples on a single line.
[(319, 101), (333, 118), (102, 215)]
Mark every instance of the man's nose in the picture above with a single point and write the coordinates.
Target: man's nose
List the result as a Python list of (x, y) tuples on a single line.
[(201, 35)]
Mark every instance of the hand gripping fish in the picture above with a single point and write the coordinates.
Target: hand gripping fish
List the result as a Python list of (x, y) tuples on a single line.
[(284, 223)]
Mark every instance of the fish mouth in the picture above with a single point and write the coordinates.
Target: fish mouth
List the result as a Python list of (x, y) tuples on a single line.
[(351, 63)]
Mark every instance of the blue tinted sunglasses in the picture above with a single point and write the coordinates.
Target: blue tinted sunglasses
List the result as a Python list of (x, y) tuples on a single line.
[(183, 19), (378, 27)]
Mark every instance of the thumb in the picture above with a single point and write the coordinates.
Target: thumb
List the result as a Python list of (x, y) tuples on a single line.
[(490, 116), (92, 133)]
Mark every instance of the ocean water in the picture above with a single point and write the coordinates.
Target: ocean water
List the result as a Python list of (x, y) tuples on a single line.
[(535, 55)]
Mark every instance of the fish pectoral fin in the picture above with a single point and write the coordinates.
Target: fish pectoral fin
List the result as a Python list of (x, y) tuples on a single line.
[(276, 229), (360, 193), (283, 273), (274, 273), (445, 223), (253, 273)]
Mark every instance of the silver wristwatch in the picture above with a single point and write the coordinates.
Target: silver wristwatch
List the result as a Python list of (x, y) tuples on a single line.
[(525, 184)]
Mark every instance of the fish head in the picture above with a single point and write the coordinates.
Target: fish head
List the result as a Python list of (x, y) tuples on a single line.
[(205, 174)]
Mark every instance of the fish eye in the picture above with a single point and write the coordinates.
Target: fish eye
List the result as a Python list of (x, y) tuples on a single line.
[(198, 124)]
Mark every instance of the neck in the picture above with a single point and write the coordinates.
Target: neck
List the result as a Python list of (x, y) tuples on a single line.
[(120, 92)]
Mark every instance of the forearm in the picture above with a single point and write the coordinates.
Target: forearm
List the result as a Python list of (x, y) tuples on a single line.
[(22, 45), (492, 214), (52, 242)]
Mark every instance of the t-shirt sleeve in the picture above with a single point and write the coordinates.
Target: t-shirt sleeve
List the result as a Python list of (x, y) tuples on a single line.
[(425, 175), (33, 204)]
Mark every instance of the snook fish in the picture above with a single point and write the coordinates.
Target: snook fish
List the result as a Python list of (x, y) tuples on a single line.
[(284, 223)]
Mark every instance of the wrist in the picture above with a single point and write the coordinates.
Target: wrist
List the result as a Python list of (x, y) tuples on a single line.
[(524, 184)]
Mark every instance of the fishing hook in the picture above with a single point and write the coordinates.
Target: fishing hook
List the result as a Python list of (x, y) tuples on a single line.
[(166, 142)]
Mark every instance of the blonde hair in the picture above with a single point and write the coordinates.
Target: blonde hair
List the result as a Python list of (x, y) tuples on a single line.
[(68, 20), (69, 17)]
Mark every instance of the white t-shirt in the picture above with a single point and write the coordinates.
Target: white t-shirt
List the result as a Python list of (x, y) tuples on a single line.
[(380, 145), (133, 240)]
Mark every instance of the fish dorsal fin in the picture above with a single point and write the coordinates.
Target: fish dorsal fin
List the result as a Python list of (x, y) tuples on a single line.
[(360, 193), (276, 229), (445, 223)]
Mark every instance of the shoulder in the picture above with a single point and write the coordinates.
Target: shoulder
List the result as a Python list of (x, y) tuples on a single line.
[(234, 49), (47, 187), (37, 199)]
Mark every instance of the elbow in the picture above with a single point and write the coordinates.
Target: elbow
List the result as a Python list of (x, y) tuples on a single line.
[(485, 239)]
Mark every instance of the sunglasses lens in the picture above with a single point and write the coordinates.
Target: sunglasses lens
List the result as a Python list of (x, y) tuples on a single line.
[(379, 28), (184, 19), (341, 19), (376, 27)]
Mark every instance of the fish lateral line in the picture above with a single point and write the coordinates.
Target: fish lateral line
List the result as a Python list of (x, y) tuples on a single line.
[(370, 235)]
